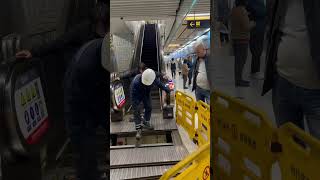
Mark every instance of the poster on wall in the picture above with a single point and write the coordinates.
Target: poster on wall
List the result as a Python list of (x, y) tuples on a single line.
[(30, 105)]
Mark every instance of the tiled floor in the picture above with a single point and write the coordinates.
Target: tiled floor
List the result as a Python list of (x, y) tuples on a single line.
[(221, 76), (191, 147)]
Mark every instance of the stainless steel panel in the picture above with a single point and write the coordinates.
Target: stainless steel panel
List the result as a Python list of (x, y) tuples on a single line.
[(156, 120), (147, 155), (140, 172)]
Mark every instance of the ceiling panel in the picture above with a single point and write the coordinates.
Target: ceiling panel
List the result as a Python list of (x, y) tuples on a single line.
[(184, 35), (143, 8)]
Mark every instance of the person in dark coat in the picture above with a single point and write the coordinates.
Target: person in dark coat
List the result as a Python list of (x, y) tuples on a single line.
[(293, 63), (86, 104), (257, 13), (173, 68)]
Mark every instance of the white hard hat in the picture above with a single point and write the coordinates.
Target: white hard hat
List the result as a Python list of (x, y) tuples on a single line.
[(148, 76)]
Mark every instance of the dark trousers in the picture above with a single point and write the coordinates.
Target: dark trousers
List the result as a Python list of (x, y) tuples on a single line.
[(83, 138), (190, 77), (146, 100), (292, 104), (240, 54), (173, 73), (256, 48), (185, 78)]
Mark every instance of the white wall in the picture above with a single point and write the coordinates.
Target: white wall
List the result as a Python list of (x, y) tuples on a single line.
[(123, 50)]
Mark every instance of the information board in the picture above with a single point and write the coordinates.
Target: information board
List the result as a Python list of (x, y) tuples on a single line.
[(30, 106)]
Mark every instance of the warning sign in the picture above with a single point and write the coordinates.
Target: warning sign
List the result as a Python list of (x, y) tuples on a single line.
[(31, 107), (206, 173)]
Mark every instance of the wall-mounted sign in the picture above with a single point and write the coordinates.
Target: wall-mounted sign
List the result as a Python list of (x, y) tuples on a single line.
[(198, 24), (30, 107)]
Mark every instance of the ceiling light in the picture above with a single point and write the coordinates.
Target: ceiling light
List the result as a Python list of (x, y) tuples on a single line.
[(202, 14), (173, 45)]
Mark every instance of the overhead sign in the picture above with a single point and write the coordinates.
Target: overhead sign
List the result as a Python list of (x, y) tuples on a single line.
[(198, 24)]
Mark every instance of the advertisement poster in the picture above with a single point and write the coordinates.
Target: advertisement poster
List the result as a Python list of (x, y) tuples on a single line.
[(30, 107), (119, 96)]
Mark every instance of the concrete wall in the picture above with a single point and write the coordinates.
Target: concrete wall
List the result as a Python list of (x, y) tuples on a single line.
[(123, 50)]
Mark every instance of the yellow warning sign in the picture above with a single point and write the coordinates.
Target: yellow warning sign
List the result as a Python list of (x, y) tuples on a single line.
[(206, 173)]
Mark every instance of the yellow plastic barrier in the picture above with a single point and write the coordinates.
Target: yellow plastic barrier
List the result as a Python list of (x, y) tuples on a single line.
[(203, 130), (179, 107), (185, 111), (242, 139), (195, 166), (298, 161)]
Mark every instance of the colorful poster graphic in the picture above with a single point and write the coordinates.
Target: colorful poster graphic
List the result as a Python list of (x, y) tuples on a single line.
[(31, 110)]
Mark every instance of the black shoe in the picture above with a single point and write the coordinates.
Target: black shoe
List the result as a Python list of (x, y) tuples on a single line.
[(147, 125), (242, 83), (185, 88)]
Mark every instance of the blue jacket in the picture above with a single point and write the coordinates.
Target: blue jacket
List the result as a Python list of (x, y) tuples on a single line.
[(138, 90), (86, 88)]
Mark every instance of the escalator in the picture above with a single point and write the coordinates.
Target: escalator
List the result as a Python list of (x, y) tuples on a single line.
[(162, 147), (149, 54)]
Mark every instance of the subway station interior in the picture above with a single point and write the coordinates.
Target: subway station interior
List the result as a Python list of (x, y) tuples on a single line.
[(211, 127), (149, 32)]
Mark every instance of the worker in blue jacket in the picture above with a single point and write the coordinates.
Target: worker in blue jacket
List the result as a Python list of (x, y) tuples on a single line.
[(141, 92)]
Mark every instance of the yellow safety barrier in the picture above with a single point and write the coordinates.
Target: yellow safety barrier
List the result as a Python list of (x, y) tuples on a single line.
[(298, 160), (195, 166), (179, 107), (203, 130), (185, 110), (242, 139)]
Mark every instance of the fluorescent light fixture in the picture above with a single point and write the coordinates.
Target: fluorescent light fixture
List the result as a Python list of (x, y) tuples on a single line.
[(201, 14), (173, 45)]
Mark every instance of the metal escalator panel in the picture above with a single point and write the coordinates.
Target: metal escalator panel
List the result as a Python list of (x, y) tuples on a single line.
[(138, 49), (146, 156), (150, 172), (160, 124)]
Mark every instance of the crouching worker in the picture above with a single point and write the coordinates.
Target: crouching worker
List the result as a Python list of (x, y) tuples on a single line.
[(141, 92)]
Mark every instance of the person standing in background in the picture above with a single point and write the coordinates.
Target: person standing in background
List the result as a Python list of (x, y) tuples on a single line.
[(257, 13), (240, 33), (179, 66), (173, 68), (190, 66), (185, 71), (293, 63), (200, 79)]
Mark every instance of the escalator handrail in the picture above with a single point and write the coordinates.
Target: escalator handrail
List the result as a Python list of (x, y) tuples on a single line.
[(138, 49), (157, 46), (142, 40)]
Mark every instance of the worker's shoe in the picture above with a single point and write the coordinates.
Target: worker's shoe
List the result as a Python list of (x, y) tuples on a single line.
[(138, 137), (139, 134), (147, 125)]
